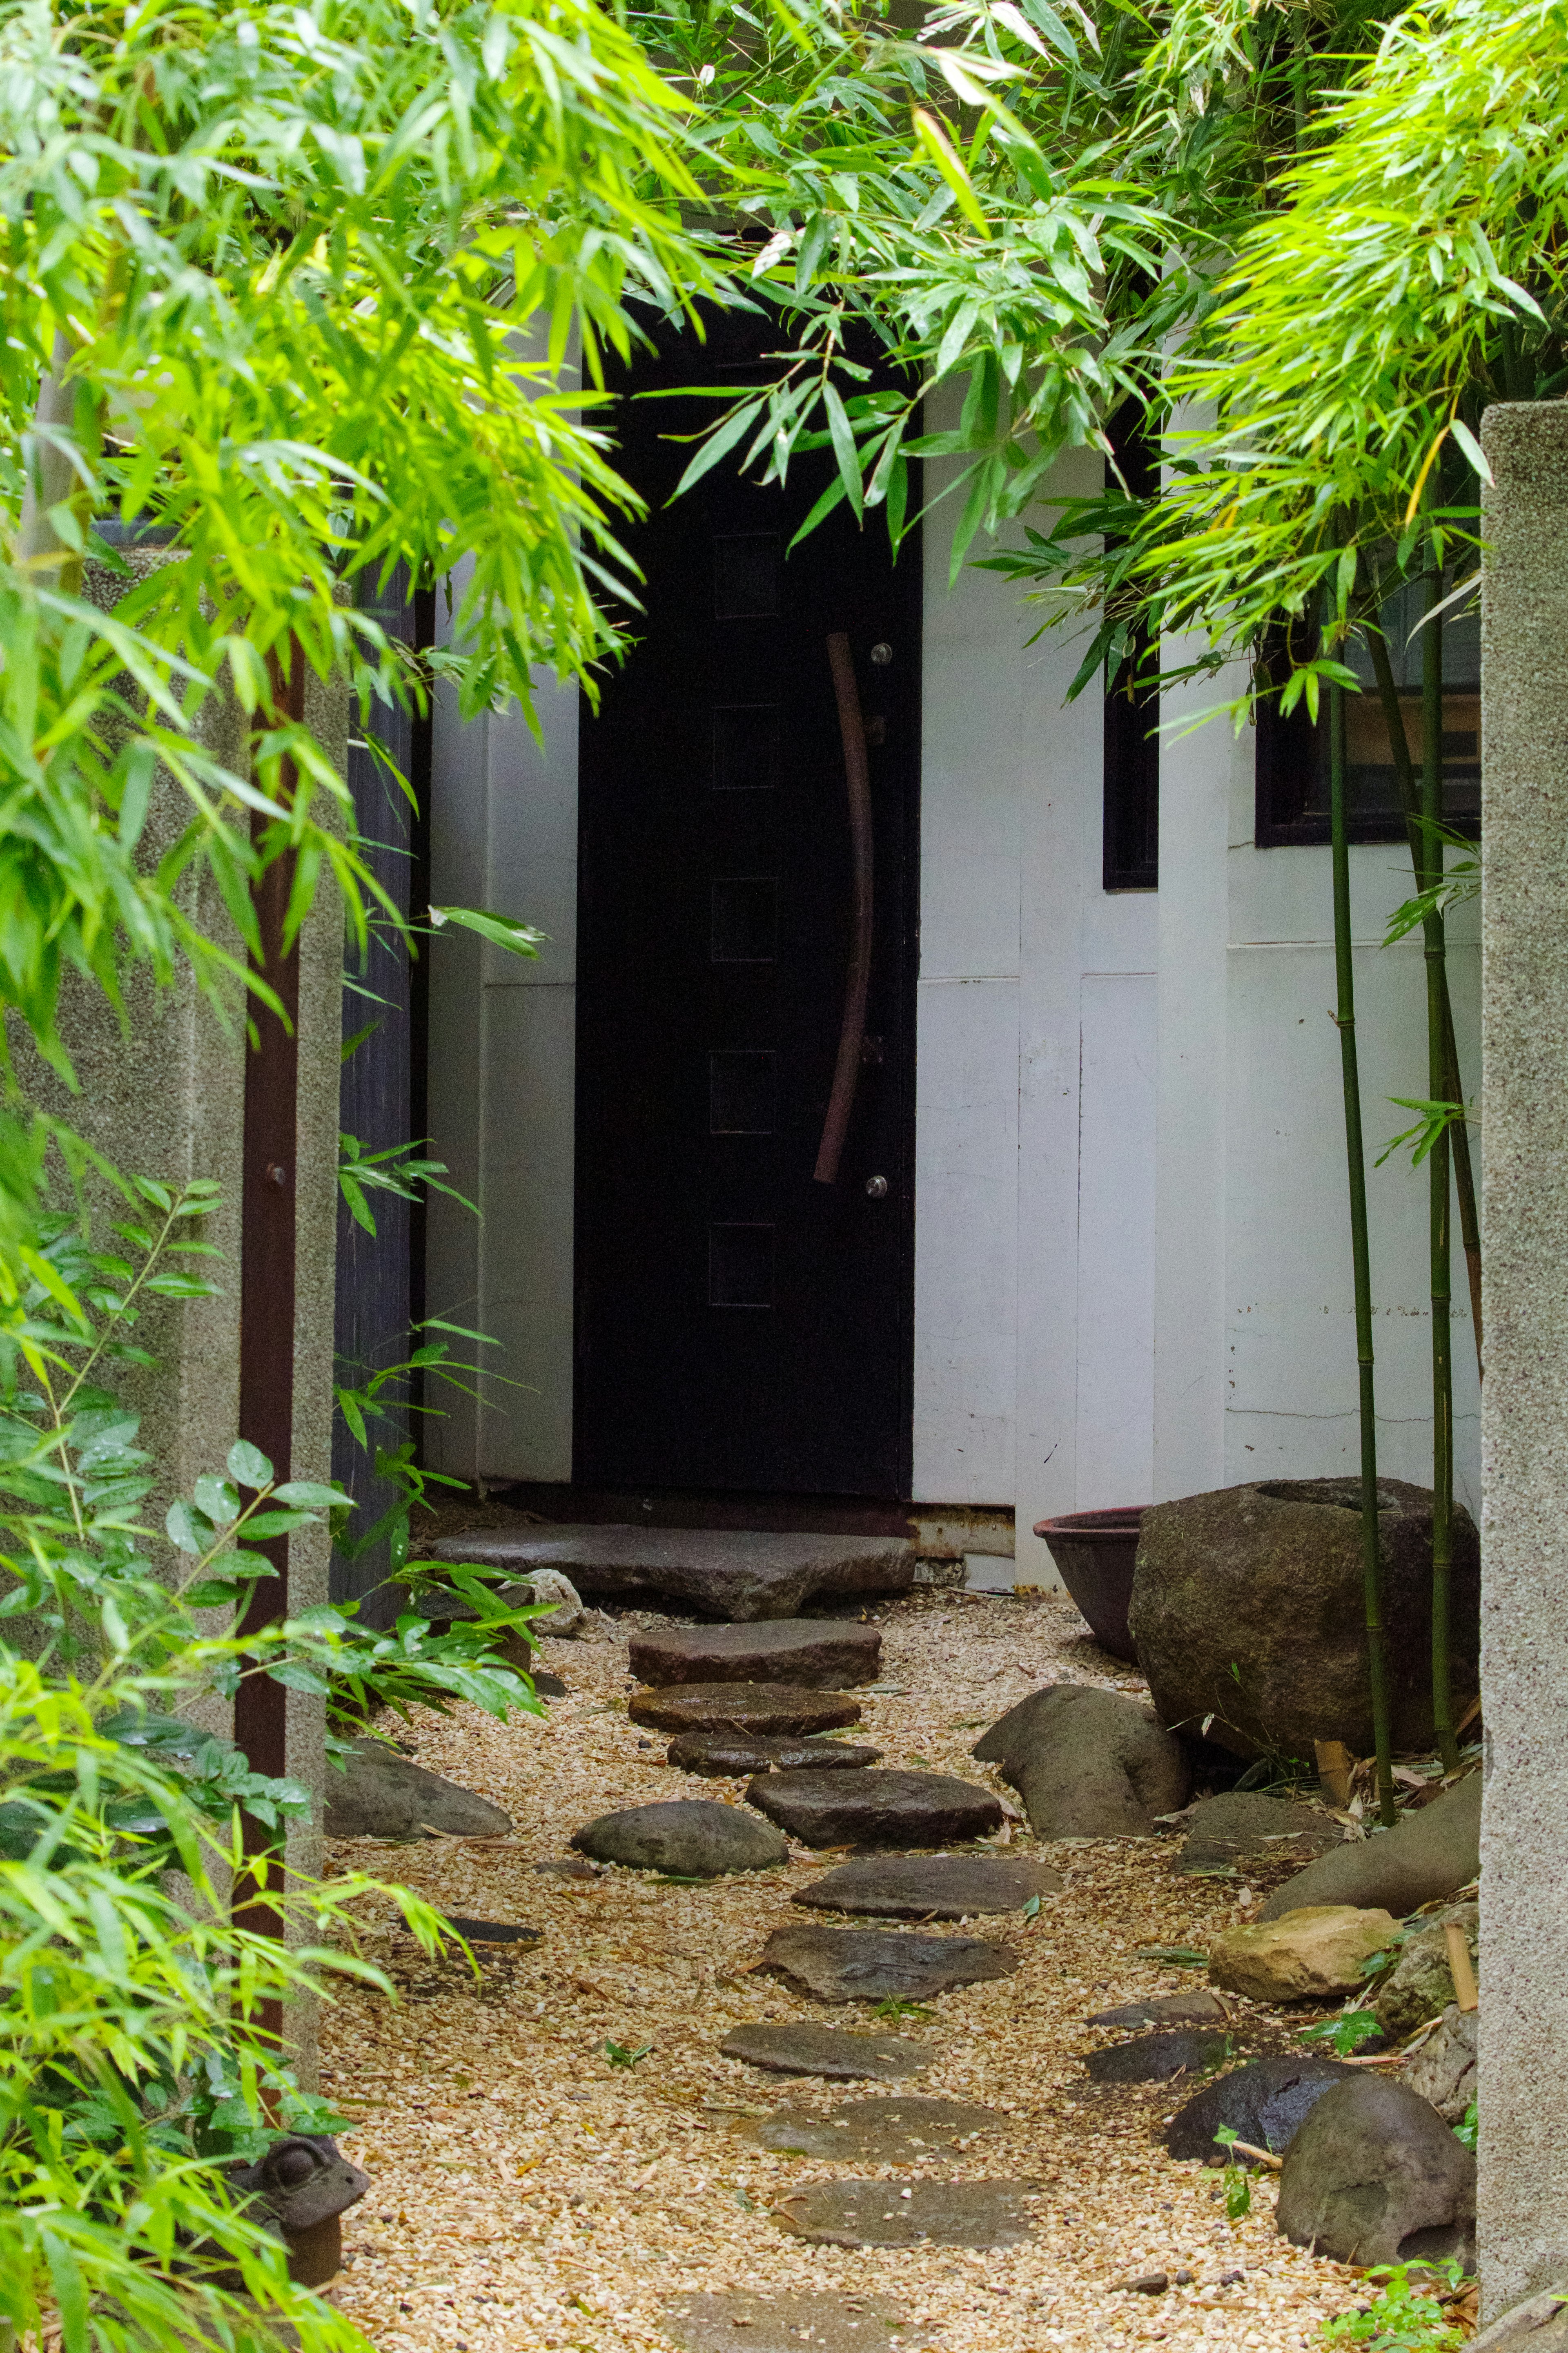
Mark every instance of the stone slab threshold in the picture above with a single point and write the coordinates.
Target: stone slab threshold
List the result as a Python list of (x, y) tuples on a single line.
[(737, 1575)]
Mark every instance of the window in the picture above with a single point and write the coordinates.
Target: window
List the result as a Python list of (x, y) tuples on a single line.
[(1131, 747), (1293, 754)]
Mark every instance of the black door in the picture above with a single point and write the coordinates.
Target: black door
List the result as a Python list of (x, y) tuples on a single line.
[(742, 1323)]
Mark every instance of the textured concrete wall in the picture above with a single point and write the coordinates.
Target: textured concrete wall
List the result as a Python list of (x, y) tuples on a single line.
[(1523, 2104)]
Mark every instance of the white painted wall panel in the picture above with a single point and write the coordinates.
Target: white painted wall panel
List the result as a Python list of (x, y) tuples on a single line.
[(1115, 1404)]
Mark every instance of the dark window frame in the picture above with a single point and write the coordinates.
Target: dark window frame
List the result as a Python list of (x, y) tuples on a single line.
[(1130, 852)]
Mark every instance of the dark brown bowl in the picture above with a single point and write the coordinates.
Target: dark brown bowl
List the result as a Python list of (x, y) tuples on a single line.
[(1095, 1552)]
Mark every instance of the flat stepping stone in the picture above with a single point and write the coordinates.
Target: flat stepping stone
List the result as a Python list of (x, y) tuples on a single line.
[(826, 1653), (384, 1795), (740, 1575), (1156, 2058), (736, 1756), (1244, 1826), (803, 2048), (877, 1809), (878, 2132), (693, 1837), (741, 2322), (879, 1964), (923, 2213), (772, 1709), (1197, 2009), (493, 1932), (930, 1888)]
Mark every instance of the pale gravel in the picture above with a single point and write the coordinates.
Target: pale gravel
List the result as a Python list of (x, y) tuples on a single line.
[(528, 2195)]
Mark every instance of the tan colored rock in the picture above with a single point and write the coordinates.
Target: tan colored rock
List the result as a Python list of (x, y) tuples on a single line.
[(1313, 1955)]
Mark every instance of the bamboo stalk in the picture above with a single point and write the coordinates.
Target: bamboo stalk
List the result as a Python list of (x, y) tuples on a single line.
[(1436, 955), (1451, 1089), (1355, 1155)]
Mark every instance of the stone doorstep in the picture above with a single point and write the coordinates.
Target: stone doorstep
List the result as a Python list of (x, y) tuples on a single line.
[(740, 1575)]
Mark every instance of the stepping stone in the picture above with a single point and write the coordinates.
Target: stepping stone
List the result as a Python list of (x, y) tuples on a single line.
[(877, 1809), (930, 1888), (877, 2132), (694, 1837), (1156, 2058), (383, 1795), (742, 2322), (924, 2213), (879, 1964), (726, 1573), (816, 1651), (547, 1685), (773, 1710), (1198, 2009), (494, 1932), (803, 2048), (1246, 1826), (732, 1756)]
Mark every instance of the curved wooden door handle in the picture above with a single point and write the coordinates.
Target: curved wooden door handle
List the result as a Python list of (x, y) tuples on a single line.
[(857, 976)]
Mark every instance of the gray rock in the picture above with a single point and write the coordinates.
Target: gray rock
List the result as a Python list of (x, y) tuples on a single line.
[(693, 1836), (494, 1932), (1247, 1609), (1427, 1855), (1088, 1763), (879, 1964), (803, 2048), (1443, 2070), (1244, 1826), (1264, 2103), (383, 1795), (1198, 2009), (773, 1710), (930, 1888), (877, 2132), (736, 1756), (877, 1809), (1157, 2058), (826, 1651), (801, 2322), (922, 2214), (1421, 1984), (725, 1573), (1375, 2176), (1539, 2324)]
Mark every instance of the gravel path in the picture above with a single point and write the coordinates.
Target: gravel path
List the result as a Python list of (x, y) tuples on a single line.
[(528, 2194)]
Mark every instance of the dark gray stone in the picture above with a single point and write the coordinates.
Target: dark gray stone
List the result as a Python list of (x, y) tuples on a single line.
[(1375, 2176), (1197, 2009), (929, 1887), (879, 1964), (725, 1573), (1263, 2102), (1426, 1856), (740, 2321), (877, 1809), (1088, 1763), (1247, 1608), (1244, 1826), (494, 1932), (922, 2214), (735, 1755), (877, 2132), (773, 1710), (298, 2191), (693, 1836), (803, 2048), (383, 1795), (828, 1653), (1156, 2058)]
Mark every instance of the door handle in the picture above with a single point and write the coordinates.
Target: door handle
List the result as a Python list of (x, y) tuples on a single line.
[(858, 973)]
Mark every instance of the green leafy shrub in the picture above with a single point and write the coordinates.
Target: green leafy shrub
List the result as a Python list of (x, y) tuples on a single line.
[(1405, 2316)]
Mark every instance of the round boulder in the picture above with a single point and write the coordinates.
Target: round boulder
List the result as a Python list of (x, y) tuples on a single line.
[(1375, 2176), (1264, 2104), (1247, 1614), (694, 1837)]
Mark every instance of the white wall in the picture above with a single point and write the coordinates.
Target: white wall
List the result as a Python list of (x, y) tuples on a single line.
[(502, 1074)]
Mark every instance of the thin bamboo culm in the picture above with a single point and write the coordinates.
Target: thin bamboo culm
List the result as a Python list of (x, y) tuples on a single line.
[(1437, 1034), (1355, 1155)]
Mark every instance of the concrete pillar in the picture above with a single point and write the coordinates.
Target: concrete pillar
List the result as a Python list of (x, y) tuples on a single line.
[(1523, 2100)]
